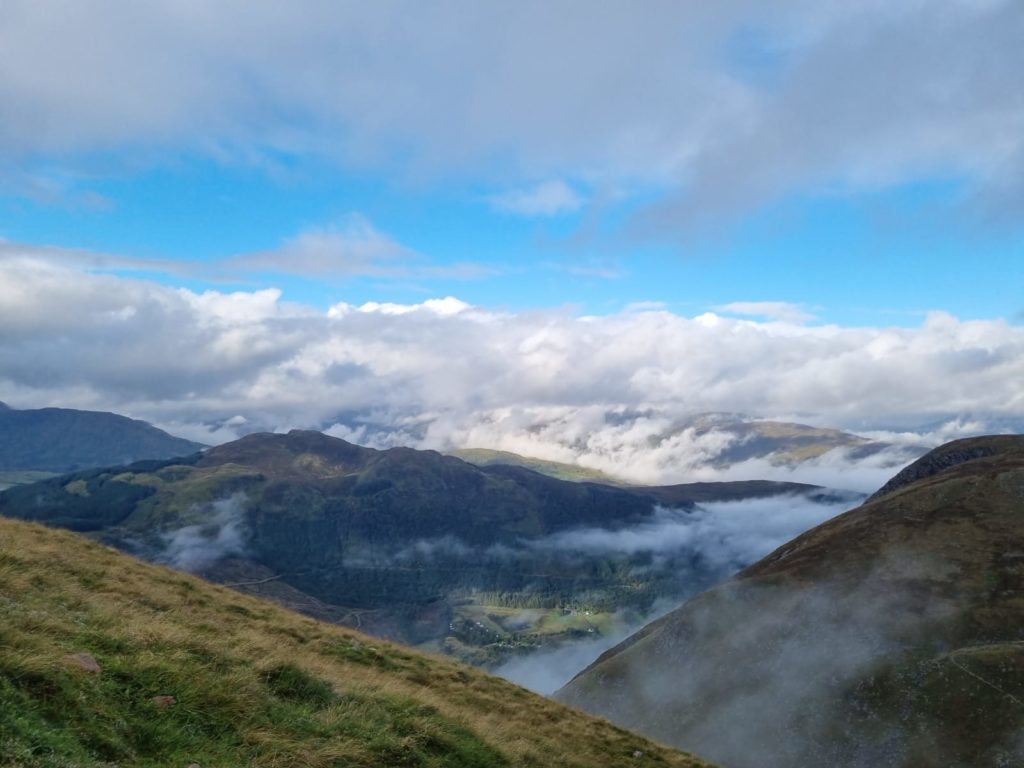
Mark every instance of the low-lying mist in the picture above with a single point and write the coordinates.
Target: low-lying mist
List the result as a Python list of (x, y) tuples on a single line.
[(629, 574), (774, 675), (195, 547), (725, 536), (547, 670)]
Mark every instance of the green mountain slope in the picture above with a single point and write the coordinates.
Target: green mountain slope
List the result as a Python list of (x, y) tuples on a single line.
[(105, 661), (63, 440), (891, 635), (485, 457), (407, 544)]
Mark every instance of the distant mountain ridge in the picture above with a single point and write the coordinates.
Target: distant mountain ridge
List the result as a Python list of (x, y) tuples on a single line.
[(890, 635), (784, 442), (64, 440)]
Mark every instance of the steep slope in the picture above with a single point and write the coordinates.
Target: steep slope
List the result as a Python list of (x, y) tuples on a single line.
[(63, 440), (105, 660), (412, 545), (892, 635)]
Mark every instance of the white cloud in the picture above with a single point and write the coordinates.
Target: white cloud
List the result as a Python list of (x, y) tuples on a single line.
[(611, 392), (548, 669), (449, 305), (221, 534), (549, 198), (774, 310), (728, 534), (352, 247), (589, 268), (723, 106)]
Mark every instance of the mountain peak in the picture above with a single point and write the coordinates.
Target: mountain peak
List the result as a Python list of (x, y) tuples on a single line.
[(278, 450), (4, 406)]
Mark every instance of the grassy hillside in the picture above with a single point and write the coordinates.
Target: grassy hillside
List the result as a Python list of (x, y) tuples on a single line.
[(190, 672), (63, 440), (890, 635)]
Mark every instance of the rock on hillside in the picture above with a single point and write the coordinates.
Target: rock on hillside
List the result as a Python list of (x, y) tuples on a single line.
[(892, 635)]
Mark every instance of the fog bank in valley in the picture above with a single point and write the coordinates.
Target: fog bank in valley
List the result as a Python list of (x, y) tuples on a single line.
[(726, 536)]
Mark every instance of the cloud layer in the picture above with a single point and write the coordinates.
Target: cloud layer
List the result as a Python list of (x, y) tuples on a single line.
[(726, 105), (728, 535), (609, 391)]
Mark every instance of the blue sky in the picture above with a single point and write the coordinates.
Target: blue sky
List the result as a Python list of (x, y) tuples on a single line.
[(501, 194), (226, 216), (884, 257)]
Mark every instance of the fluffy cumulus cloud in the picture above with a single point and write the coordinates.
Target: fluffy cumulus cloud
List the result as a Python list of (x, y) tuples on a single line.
[(612, 392), (724, 104)]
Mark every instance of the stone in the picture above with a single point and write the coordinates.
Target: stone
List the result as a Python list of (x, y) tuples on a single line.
[(86, 662)]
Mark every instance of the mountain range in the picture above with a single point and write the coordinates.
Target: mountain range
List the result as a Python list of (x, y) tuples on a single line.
[(889, 635), (485, 563)]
